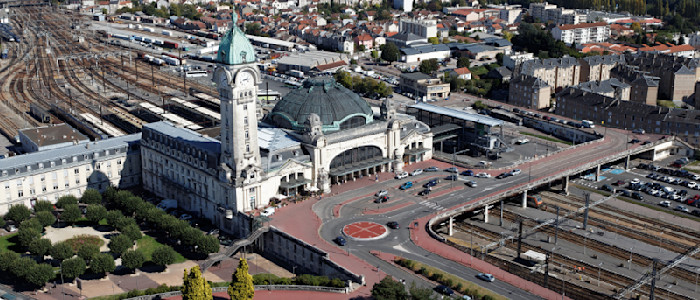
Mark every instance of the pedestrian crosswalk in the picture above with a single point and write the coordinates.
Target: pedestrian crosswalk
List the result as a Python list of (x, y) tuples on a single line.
[(431, 205)]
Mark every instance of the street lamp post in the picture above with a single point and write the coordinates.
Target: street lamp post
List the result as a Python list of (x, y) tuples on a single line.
[(630, 265), (599, 266)]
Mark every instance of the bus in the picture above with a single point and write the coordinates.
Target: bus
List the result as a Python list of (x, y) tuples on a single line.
[(194, 74)]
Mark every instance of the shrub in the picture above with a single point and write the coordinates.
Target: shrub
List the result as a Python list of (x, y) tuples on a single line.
[(43, 205), (18, 213), (21, 266), (39, 275), (83, 239), (91, 196), (6, 260), (66, 200), (113, 216)]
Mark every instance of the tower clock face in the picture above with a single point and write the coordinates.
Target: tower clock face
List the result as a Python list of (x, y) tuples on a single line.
[(245, 79)]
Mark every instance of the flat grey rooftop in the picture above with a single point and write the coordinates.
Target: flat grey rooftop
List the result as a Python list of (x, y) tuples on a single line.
[(458, 114)]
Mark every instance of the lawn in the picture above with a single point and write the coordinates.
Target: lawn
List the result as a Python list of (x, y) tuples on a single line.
[(148, 244), (546, 138), (5, 242)]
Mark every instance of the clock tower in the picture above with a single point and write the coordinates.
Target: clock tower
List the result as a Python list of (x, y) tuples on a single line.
[(236, 78)]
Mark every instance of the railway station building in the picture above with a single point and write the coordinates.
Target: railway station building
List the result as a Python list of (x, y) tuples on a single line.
[(317, 135)]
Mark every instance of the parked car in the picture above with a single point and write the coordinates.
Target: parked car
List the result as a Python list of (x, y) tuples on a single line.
[(514, 172), (608, 188), (393, 225), (406, 185), (452, 170), (470, 183), (485, 277), (621, 183), (696, 212), (432, 182), (665, 203), (452, 177), (482, 175), (417, 172), (340, 241), (268, 212), (638, 131), (401, 175), (636, 180), (381, 193), (637, 195), (431, 169), (424, 192)]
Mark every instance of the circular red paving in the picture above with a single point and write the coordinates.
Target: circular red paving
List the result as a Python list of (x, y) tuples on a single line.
[(365, 231)]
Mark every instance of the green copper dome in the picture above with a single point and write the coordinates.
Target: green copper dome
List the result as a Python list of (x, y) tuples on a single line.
[(338, 107), (235, 49)]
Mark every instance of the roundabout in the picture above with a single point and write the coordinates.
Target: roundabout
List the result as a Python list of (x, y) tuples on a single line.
[(365, 231)]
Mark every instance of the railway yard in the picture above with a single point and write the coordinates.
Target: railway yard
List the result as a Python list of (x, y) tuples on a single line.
[(58, 74), (604, 258)]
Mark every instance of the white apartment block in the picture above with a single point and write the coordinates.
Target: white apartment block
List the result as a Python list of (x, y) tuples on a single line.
[(546, 12), (422, 28), (405, 5), (582, 33), (50, 174)]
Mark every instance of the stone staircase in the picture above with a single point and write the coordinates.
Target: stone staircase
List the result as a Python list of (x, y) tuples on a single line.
[(231, 250)]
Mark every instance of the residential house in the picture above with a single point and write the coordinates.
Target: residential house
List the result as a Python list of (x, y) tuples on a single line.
[(424, 86)]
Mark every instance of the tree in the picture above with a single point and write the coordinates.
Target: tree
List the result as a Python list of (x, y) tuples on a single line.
[(390, 52), (39, 275), (463, 62), (95, 213), (429, 66), (88, 251), (61, 251), (91, 196), (46, 218), (420, 293), (132, 231), (207, 244), (133, 259), (110, 194), (43, 205), (65, 200), (26, 235), (113, 216), (508, 35), (71, 213), (2, 221), (18, 213), (33, 224), (389, 289), (433, 40), (163, 256), (6, 260), (102, 263), (73, 267), (241, 286), (195, 287), (21, 266), (40, 247), (120, 243)]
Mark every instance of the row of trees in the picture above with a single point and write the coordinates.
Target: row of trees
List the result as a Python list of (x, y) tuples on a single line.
[(363, 85), (136, 209)]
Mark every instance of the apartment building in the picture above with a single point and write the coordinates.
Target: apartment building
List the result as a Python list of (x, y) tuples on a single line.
[(539, 10), (677, 75), (612, 88), (423, 28), (529, 92), (405, 5), (582, 33), (558, 73), (422, 85), (597, 68), (50, 174), (581, 105)]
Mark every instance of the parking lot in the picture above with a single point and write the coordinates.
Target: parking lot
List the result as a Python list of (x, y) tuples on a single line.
[(657, 183)]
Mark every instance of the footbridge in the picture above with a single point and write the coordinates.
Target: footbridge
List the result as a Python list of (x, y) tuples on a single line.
[(556, 176)]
